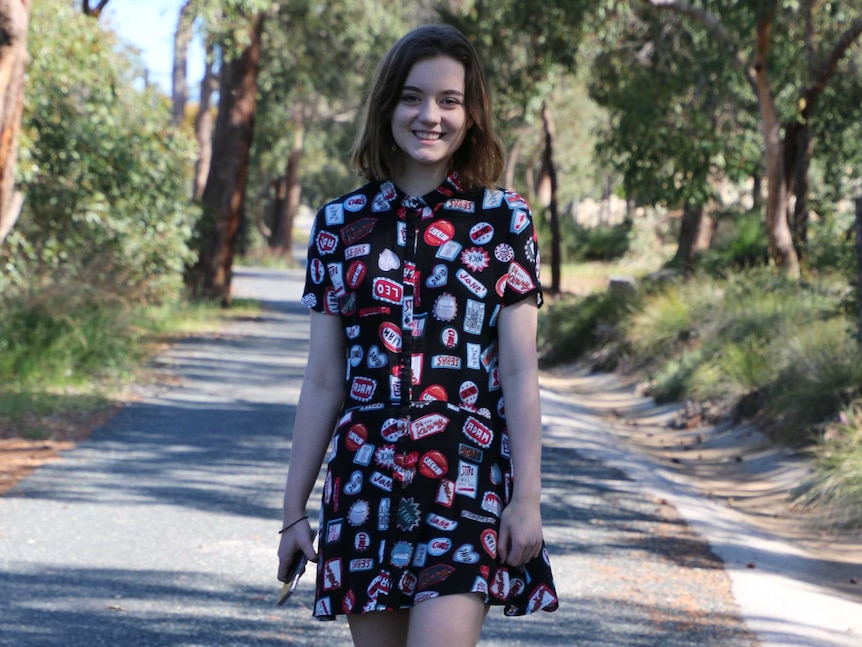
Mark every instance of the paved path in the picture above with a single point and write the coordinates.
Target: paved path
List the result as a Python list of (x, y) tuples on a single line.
[(161, 529)]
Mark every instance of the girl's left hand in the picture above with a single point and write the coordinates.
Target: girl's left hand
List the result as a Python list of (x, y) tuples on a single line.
[(520, 537)]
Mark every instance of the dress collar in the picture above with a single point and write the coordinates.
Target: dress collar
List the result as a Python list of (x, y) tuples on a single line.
[(449, 187)]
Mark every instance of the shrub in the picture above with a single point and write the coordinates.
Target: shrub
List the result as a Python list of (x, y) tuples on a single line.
[(106, 181)]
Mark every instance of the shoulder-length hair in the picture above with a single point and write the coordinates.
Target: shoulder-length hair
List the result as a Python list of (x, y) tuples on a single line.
[(479, 159)]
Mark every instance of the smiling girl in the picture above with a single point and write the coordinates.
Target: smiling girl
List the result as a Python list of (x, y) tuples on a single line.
[(423, 288)]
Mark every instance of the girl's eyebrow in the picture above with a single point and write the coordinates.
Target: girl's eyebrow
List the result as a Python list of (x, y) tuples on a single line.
[(413, 88)]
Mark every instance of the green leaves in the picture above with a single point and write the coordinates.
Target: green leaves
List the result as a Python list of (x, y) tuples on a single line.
[(106, 182)]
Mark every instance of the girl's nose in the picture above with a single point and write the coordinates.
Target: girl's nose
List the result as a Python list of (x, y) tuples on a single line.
[(429, 112)]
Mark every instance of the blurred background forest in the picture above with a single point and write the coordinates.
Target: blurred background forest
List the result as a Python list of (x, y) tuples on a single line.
[(693, 166)]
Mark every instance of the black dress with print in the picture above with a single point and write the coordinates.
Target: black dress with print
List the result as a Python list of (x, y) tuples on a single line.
[(420, 470)]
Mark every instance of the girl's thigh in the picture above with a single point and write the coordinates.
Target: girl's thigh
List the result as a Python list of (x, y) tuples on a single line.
[(379, 628), (450, 620)]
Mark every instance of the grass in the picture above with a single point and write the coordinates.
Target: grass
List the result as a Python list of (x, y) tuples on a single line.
[(67, 350), (752, 344)]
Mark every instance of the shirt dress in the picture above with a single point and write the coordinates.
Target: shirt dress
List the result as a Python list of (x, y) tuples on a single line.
[(419, 470)]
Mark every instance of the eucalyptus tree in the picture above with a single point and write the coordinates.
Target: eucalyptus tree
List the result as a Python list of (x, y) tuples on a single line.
[(239, 36), (788, 52), (317, 62), (680, 120), (14, 21)]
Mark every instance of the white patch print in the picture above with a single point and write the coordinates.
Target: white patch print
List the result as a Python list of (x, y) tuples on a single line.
[(388, 260), (481, 233), (364, 454), (504, 252), (519, 279), (355, 202), (326, 243), (476, 259), (438, 277), (515, 201), (380, 204), (407, 314), (317, 271), (449, 337), (446, 361), (474, 356), (332, 575), (354, 485), (402, 551), (439, 546), (492, 199), (520, 220), (355, 355), (471, 283), (383, 515), (445, 307), (456, 204), (363, 388), (449, 251), (309, 300), (334, 214), (468, 392), (362, 249), (387, 290), (362, 542), (388, 190), (382, 481), (445, 493), (358, 513), (474, 317), (385, 456), (419, 555), (530, 251), (376, 358), (467, 480), (352, 332), (466, 554), (401, 233)]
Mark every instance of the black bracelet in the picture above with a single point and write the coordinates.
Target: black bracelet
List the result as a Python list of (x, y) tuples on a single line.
[(291, 525)]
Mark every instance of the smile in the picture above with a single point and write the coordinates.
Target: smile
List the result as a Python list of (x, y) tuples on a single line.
[(424, 134)]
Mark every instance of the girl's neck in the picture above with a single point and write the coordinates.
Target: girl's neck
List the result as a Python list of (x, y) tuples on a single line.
[(418, 182)]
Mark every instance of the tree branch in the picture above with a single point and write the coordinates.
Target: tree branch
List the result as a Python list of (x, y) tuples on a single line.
[(821, 78), (94, 11), (714, 26)]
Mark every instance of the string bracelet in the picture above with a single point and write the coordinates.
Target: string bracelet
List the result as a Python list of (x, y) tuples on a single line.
[(291, 525)]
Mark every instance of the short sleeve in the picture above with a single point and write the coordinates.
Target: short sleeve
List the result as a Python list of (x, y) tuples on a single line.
[(319, 294), (522, 280)]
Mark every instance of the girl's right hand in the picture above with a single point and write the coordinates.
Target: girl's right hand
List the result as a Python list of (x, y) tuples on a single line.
[(293, 540)]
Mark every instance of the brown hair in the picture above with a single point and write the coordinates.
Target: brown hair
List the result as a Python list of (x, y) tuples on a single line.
[(479, 159)]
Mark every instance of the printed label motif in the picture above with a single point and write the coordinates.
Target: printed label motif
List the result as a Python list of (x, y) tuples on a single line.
[(475, 258), (471, 283), (438, 277), (478, 432), (317, 271), (440, 523), (355, 202), (326, 243), (428, 425), (445, 493), (387, 260), (455, 204), (354, 251), (519, 279), (445, 307), (439, 546), (439, 233), (492, 199), (355, 274), (334, 214), (520, 220), (390, 335), (468, 479), (446, 361), (363, 388), (481, 233), (433, 464), (449, 251), (355, 231), (387, 290)]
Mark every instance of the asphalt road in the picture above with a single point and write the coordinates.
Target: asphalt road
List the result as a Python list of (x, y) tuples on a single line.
[(160, 530)]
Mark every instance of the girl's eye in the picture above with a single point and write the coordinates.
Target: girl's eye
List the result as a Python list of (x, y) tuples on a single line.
[(451, 102), (409, 98)]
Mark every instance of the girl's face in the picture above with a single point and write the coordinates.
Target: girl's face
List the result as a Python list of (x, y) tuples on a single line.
[(430, 120)]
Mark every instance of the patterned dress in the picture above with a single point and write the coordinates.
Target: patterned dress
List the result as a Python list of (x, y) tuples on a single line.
[(419, 469)]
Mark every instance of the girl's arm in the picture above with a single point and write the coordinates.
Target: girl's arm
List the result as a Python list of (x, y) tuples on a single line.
[(520, 537), (320, 399)]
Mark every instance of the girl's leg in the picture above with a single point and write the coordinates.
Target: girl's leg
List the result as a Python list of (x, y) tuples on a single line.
[(450, 620), (379, 628)]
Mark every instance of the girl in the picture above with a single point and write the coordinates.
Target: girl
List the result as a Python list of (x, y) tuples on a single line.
[(423, 285)]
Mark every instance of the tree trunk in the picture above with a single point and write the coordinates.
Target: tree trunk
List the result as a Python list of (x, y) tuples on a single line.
[(859, 264), (204, 125), (182, 39), (778, 229), (223, 196), (14, 20), (511, 163), (799, 147), (695, 236), (549, 171), (283, 242)]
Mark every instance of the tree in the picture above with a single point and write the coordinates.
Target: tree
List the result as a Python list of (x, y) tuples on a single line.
[(14, 21), (182, 39), (224, 194), (787, 144), (525, 51)]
